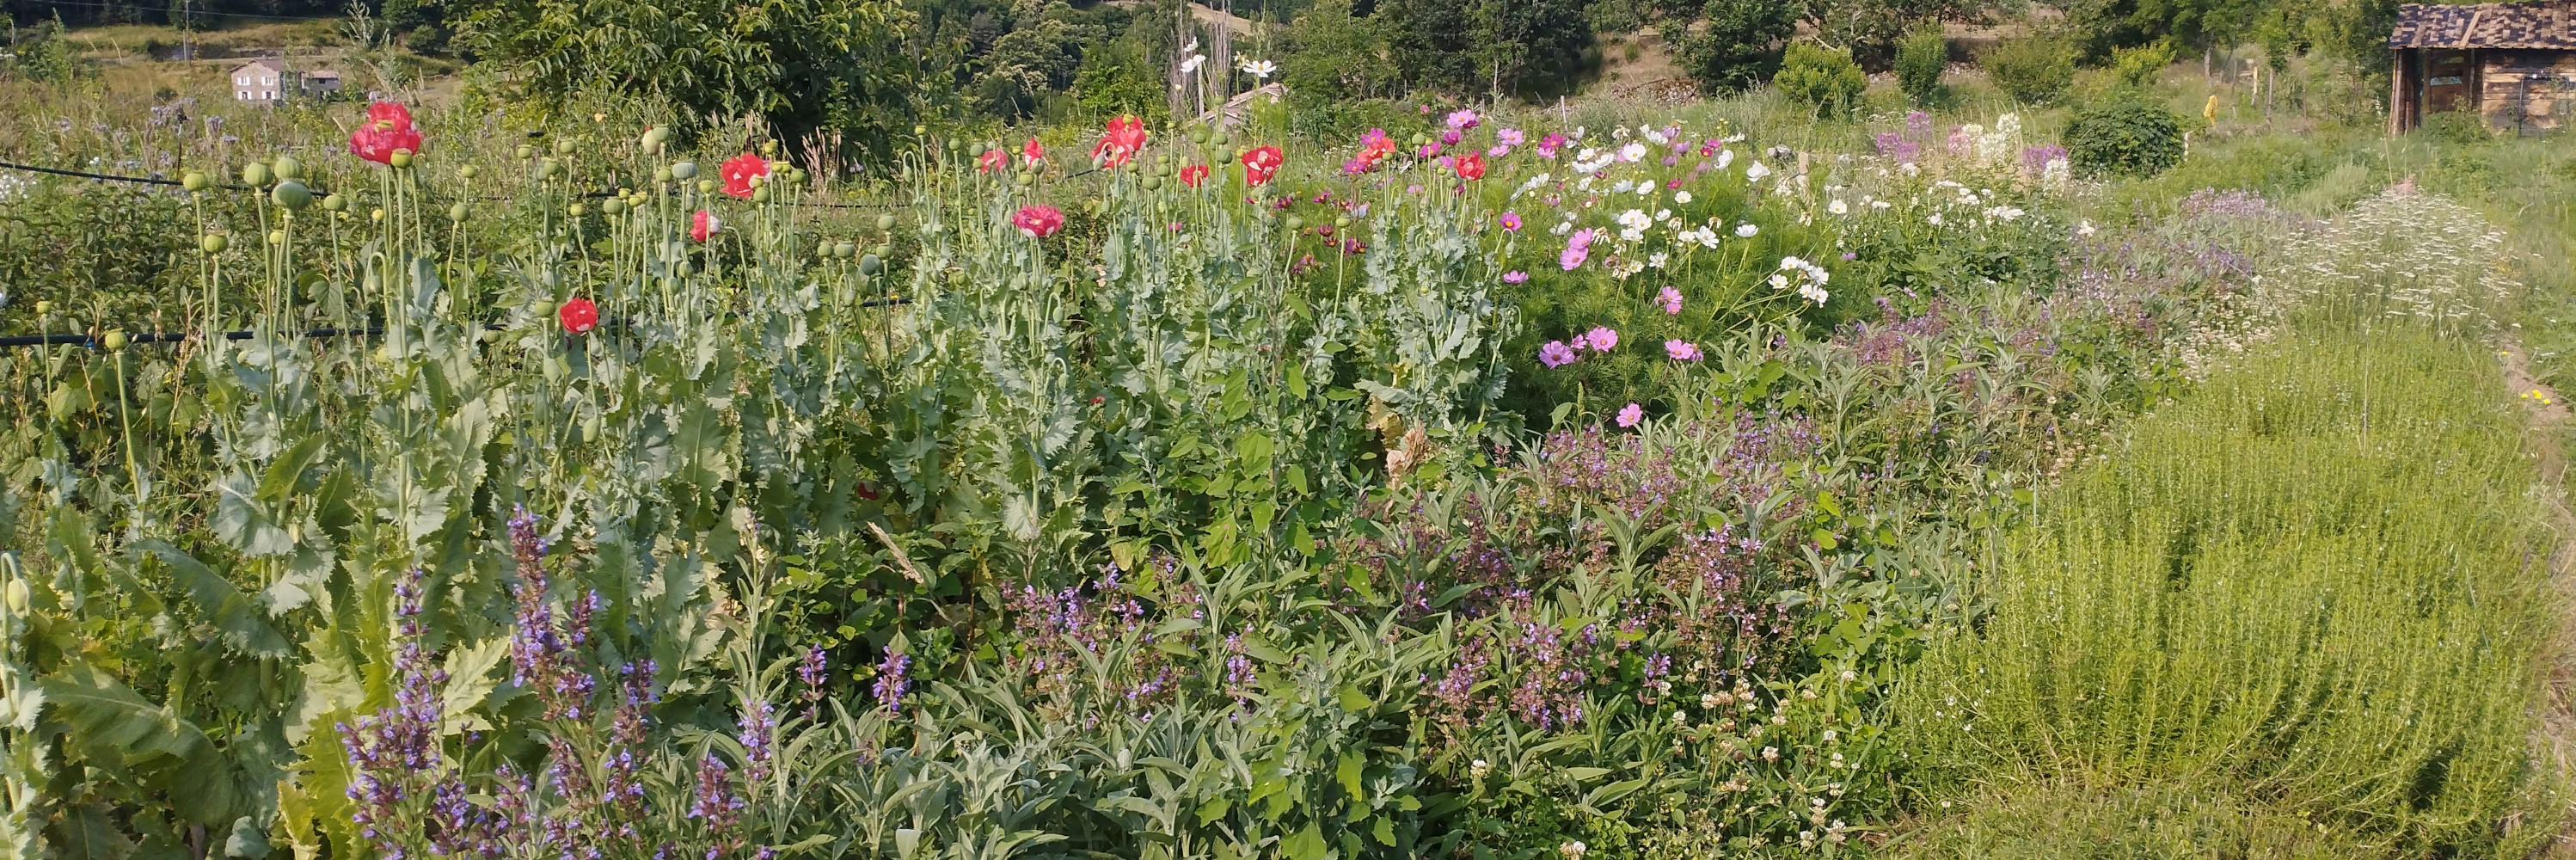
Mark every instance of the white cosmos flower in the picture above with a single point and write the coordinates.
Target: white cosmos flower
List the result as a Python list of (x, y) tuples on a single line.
[(1724, 158), (1621, 186), (1657, 259), (1756, 172), (1632, 152), (1934, 219), (1260, 70), (1779, 281), (1682, 197), (2084, 228), (1561, 228), (1747, 230), (1813, 293), (1635, 219), (1837, 208), (1192, 64)]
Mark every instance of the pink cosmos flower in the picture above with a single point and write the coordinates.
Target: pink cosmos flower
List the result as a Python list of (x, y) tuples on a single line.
[(1428, 150), (1682, 350), (1547, 146), (1515, 276), (1601, 338), (1577, 248), (1462, 119), (1556, 354), (1510, 221), (1498, 150), (1671, 299), (1451, 137), (1631, 414), (1510, 137)]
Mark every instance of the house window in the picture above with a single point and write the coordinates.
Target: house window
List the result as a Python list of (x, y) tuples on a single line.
[(242, 81), (267, 81)]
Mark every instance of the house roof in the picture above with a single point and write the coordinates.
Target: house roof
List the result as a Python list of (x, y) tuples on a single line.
[(2545, 24), (322, 73), (260, 63)]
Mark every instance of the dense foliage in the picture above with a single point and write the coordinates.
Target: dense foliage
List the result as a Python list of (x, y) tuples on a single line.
[(2126, 136)]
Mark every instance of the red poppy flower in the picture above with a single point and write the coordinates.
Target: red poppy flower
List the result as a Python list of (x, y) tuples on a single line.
[(992, 160), (1194, 174), (703, 225), (1031, 153), (1119, 142), (1260, 163), (740, 170), (579, 315), (1471, 167), (1038, 222), (388, 128)]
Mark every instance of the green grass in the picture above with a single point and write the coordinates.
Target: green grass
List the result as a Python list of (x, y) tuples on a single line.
[(2312, 589)]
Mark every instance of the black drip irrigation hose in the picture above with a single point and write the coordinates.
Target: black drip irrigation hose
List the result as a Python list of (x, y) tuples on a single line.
[(92, 340)]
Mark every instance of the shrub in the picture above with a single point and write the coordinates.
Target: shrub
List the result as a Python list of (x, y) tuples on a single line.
[(2139, 66), (1825, 78), (2031, 69), (1740, 47), (2129, 137), (1919, 60)]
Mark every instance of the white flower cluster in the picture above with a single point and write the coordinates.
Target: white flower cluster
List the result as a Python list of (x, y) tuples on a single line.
[(1592, 160), (1810, 279)]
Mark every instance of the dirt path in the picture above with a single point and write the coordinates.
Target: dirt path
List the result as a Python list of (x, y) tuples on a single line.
[(2550, 417)]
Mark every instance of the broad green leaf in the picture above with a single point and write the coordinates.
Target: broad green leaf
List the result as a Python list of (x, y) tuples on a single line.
[(1307, 844)]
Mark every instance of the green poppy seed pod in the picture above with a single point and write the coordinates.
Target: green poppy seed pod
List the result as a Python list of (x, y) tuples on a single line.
[(213, 243), (614, 206), (760, 194), (467, 171), (543, 308), (292, 195), (977, 150), (288, 168), (335, 203), (662, 174), (955, 144), (882, 249), (1343, 221), (457, 212), (277, 237), (656, 135), (1153, 182), (575, 210), (769, 148), (549, 169), (1025, 180), (1295, 224), (115, 340), (920, 130), (1419, 138), (684, 170), (195, 180), (1198, 134), (17, 595), (796, 176), (706, 186), (590, 428), (44, 308), (379, 214), (255, 174), (885, 222), (845, 250), (402, 158), (566, 146), (870, 265), (526, 151)]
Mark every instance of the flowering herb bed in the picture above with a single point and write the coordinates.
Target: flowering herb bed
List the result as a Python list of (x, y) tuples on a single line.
[(1507, 491)]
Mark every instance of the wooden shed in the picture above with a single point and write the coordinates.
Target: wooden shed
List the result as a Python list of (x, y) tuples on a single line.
[(2513, 63)]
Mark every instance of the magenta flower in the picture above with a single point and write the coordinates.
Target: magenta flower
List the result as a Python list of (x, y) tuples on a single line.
[(1601, 338), (1451, 137), (1515, 276), (1510, 221), (1428, 150), (1682, 350), (1510, 137), (1462, 119), (1557, 354), (1631, 414), (1671, 299), (1547, 146)]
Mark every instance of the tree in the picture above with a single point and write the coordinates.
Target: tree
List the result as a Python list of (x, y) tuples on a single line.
[(1332, 56), (1919, 62), (1826, 78), (1481, 45), (1741, 45), (804, 66)]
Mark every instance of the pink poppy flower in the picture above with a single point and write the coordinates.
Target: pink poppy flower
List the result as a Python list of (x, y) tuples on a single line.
[(703, 225), (740, 171), (1038, 222)]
